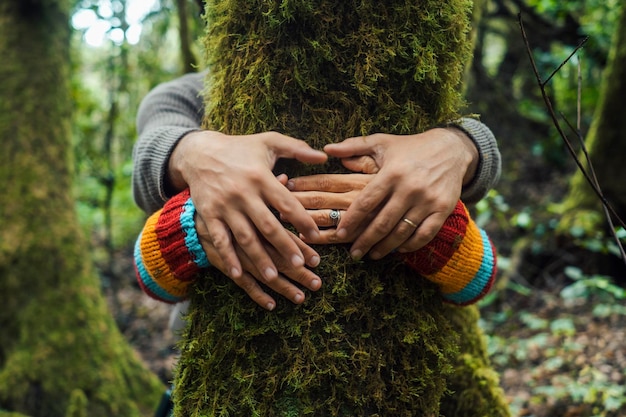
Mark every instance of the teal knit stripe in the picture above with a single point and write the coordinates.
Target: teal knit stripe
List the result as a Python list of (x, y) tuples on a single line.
[(149, 285), (476, 287), (192, 242)]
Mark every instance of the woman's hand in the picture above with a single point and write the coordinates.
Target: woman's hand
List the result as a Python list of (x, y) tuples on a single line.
[(417, 184), (283, 283), (233, 188)]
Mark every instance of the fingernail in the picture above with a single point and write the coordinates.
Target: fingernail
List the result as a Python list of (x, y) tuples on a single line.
[(356, 254), (314, 261), (270, 306), (270, 273), (342, 233), (291, 185), (234, 273), (297, 260), (316, 284), (298, 298)]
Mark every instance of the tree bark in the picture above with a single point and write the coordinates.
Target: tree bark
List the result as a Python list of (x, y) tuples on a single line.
[(189, 61), (376, 340), (60, 345)]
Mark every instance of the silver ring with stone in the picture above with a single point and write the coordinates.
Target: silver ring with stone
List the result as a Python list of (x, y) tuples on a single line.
[(335, 216)]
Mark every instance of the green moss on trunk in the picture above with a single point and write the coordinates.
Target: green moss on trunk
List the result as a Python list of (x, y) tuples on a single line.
[(59, 342), (376, 340)]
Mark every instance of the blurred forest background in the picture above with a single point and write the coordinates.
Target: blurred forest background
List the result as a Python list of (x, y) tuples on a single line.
[(556, 322)]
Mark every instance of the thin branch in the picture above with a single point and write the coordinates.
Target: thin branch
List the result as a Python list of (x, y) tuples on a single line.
[(605, 208), (574, 52), (592, 180)]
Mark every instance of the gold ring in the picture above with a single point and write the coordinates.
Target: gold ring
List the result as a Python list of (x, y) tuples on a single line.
[(409, 222)]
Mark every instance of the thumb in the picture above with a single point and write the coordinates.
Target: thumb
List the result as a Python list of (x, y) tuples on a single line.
[(365, 164), (287, 147), (356, 146)]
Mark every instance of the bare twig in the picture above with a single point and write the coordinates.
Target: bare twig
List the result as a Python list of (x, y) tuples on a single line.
[(580, 45), (605, 208), (591, 178)]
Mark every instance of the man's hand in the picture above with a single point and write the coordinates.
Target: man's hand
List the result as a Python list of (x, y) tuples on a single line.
[(418, 178)]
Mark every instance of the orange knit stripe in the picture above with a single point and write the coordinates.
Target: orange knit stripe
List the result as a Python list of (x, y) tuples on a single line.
[(464, 264), (154, 262)]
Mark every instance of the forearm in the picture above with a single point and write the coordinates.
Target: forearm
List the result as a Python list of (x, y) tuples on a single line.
[(151, 155), (461, 259), (168, 254), (166, 115)]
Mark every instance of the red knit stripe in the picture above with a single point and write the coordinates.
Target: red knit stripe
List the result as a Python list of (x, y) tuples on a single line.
[(171, 239), (435, 255)]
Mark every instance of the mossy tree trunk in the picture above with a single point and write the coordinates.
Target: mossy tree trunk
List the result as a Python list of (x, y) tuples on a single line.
[(376, 340), (61, 352), (606, 142)]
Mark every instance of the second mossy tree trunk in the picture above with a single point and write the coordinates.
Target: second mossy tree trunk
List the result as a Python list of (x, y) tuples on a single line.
[(376, 339), (61, 354)]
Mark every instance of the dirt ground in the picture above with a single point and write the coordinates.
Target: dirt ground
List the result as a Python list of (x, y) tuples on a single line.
[(556, 357)]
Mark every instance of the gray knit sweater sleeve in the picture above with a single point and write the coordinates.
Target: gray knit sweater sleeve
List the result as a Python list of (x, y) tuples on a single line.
[(175, 108), (165, 115), (489, 164)]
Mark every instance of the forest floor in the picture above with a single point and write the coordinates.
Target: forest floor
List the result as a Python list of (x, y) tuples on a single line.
[(557, 356)]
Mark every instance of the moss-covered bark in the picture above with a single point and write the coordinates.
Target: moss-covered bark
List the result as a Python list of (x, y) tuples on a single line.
[(59, 342), (376, 340), (606, 142)]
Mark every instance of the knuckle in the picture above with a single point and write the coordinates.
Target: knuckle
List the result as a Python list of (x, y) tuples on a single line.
[(317, 202), (245, 238), (368, 204), (270, 281), (324, 183), (249, 286), (267, 227), (282, 265), (220, 242), (334, 239), (425, 236), (301, 277), (382, 226)]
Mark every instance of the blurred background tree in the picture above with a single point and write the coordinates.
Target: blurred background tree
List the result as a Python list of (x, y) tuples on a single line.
[(61, 350)]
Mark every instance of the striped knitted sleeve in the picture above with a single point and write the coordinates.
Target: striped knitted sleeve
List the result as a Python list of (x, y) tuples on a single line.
[(461, 259), (168, 255)]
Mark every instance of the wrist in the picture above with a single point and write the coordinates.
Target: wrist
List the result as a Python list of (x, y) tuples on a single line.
[(460, 259), (168, 254), (472, 159), (175, 180)]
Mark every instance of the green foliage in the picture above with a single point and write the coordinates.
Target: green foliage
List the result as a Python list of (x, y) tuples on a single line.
[(108, 83), (77, 404), (4, 413), (609, 296)]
